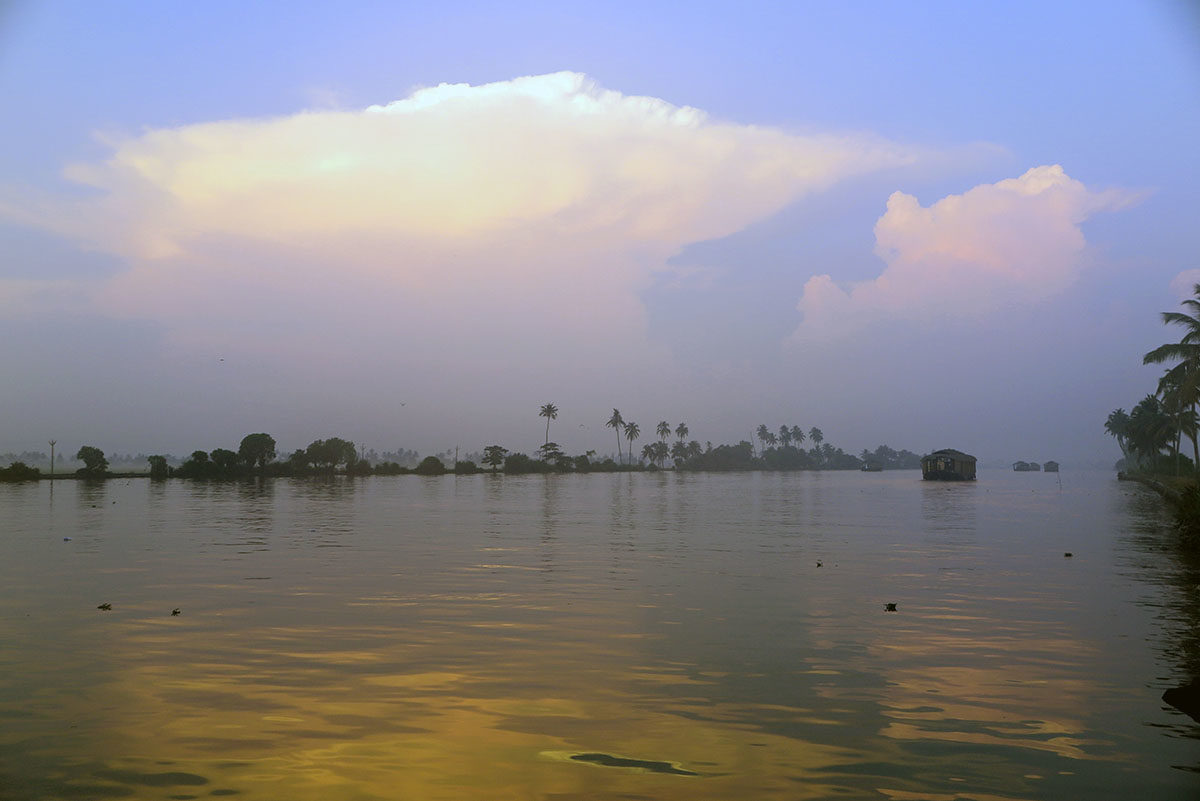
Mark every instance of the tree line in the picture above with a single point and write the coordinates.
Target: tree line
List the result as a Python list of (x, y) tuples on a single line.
[(1151, 434), (257, 455)]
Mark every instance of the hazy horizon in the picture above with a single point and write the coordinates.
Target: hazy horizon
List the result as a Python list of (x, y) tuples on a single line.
[(928, 226)]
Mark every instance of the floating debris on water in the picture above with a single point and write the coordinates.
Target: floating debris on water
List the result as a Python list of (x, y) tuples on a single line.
[(175, 611), (889, 607), (610, 761), (105, 606), (1068, 555)]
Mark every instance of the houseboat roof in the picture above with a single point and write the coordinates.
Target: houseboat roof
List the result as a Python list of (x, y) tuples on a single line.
[(957, 454)]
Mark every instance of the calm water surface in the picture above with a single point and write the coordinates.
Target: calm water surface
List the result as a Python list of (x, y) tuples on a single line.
[(648, 636)]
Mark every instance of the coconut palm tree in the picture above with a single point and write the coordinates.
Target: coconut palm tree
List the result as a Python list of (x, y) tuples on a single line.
[(663, 429), (1175, 404), (762, 432), (1150, 430), (655, 452), (797, 435), (1117, 426), (550, 412), (632, 432), (816, 437), (616, 424), (1185, 373), (785, 436), (681, 431)]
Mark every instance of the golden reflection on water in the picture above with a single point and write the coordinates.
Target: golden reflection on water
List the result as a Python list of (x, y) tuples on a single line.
[(282, 723), (355, 643)]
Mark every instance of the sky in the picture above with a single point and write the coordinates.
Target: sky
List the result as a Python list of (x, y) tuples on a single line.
[(934, 224)]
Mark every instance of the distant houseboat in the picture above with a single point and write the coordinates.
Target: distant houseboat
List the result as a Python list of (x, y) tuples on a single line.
[(872, 467), (948, 465), (1050, 467), (1026, 467)]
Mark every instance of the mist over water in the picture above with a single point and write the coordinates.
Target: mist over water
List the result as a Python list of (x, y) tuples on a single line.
[(712, 636)]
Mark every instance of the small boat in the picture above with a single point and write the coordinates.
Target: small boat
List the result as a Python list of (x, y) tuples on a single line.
[(872, 467)]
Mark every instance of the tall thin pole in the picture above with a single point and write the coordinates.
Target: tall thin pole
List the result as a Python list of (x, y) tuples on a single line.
[(52, 458)]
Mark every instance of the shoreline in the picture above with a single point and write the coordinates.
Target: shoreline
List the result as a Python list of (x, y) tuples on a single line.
[(449, 471), (1182, 495)]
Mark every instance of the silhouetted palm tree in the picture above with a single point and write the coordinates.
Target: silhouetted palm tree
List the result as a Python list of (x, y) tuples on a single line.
[(632, 432), (797, 435), (681, 431), (1175, 405), (1117, 425), (550, 412), (761, 432), (655, 452), (816, 438), (616, 424), (663, 429), (1150, 430), (785, 436), (1185, 374)]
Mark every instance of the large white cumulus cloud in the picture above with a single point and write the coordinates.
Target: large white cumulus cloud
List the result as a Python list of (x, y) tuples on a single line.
[(463, 241), (1017, 241), (541, 193), (452, 162)]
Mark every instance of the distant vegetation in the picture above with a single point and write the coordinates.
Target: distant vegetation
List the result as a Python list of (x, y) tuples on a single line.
[(94, 463), (19, 471), (1151, 434), (257, 456)]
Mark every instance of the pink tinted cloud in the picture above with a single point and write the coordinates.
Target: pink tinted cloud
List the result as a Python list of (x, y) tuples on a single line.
[(1184, 284), (1014, 241)]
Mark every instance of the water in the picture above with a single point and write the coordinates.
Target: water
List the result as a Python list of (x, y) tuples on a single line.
[(638, 636)]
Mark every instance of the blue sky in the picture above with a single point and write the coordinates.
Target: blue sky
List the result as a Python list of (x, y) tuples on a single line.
[(125, 292)]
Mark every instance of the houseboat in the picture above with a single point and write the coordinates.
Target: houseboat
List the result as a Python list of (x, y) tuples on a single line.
[(948, 465), (1027, 467), (1050, 467)]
